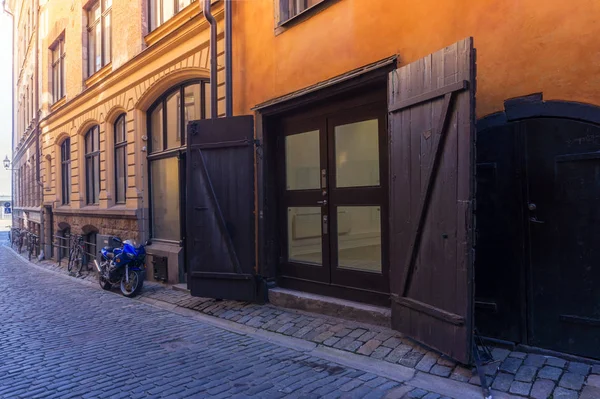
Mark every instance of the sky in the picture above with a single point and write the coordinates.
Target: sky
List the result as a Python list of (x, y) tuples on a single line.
[(5, 99)]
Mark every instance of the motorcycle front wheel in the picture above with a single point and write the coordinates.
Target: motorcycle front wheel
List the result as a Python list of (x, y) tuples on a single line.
[(134, 286)]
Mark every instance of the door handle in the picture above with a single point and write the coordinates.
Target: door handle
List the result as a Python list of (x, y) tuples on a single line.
[(325, 228), (534, 219), (324, 202)]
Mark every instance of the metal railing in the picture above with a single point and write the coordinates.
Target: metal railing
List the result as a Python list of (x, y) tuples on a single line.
[(64, 243)]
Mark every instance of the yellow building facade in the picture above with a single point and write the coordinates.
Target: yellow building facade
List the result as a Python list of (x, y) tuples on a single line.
[(101, 71)]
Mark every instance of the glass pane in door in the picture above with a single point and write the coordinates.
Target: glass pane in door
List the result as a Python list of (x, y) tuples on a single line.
[(304, 235), (357, 154), (359, 238), (302, 161)]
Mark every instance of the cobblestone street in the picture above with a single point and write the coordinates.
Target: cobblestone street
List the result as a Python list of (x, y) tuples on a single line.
[(64, 339)]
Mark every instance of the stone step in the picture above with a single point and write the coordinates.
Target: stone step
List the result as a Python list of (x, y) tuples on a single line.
[(349, 310)]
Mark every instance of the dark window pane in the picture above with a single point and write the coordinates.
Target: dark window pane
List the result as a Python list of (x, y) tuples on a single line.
[(207, 104), (173, 121), (120, 130), (96, 144), (96, 177), (120, 169), (98, 49), (107, 39), (165, 199), (192, 104), (156, 129)]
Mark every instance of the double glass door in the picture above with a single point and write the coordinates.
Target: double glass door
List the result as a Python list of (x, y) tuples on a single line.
[(334, 196)]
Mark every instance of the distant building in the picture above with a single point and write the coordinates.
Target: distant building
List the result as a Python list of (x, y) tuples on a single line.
[(27, 190)]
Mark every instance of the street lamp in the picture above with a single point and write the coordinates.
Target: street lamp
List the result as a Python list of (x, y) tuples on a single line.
[(6, 163)]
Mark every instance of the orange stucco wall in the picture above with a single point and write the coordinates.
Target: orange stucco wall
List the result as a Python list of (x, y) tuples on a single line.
[(523, 46)]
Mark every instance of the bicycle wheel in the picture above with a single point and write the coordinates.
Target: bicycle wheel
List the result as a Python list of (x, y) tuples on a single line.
[(71, 262), (78, 259)]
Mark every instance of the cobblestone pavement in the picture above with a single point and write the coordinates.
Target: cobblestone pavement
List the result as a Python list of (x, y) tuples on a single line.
[(63, 339), (520, 374)]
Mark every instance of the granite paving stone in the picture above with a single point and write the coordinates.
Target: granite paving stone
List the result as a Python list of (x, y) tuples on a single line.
[(380, 352), (398, 353), (556, 362), (542, 389), (502, 382), (520, 355), (590, 392), (594, 380), (427, 362), (550, 373), (579, 368), (354, 345), (461, 374), (526, 373), (411, 359), (392, 342), (562, 393), (369, 347), (571, 381), (534, 360), (596, 369), (520, 388), (500, 354), (442, 371), (511, 365), (444, 361)]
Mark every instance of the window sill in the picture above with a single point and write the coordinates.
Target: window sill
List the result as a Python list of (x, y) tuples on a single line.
[(183, 16), (58, 104), (99, 75), (282, 26)]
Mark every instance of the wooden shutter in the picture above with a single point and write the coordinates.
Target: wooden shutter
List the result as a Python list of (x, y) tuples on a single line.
[(220, 232), (432, 157)]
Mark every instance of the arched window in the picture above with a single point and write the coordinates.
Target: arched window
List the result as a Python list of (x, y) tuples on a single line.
[(120, 160), (92, 165), (65, 171), (167, 120)]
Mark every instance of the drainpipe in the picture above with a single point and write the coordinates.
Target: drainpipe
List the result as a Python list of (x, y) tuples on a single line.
[(213, 58), (228, 53), (41, 242), (12, 123)]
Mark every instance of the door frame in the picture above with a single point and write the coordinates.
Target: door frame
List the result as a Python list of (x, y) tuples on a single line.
[(517, 110), (364, 88)]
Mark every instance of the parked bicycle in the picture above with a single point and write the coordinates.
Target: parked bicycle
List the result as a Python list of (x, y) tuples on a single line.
[(76, 251), (32, 242), (17, 238)]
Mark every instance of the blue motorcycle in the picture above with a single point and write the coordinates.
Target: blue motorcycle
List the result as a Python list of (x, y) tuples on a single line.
[(125, 266)]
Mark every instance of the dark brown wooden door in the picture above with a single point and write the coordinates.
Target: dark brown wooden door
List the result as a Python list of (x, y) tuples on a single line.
[(220, 220), (432, 167), (563, 213), (333, 178)]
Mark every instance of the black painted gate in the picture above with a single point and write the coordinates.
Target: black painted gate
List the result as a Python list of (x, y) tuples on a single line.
[(539, 227), (220, 220)]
